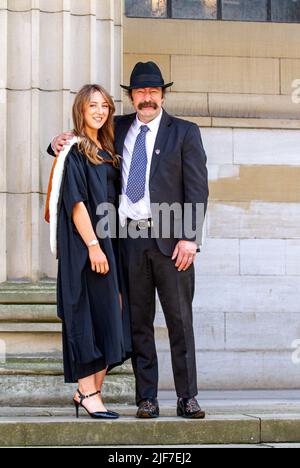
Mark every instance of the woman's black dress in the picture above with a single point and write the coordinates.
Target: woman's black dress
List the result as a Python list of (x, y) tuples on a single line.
[(96, 333)]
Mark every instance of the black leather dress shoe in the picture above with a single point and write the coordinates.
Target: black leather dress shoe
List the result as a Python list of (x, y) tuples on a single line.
[(148, 409), (189, 408)]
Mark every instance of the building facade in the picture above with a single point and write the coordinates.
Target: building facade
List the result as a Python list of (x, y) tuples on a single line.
[(49, 49), (236, 72)]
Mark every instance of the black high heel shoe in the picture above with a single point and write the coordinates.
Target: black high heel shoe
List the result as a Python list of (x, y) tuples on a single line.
[(111, 412), (98, 414)]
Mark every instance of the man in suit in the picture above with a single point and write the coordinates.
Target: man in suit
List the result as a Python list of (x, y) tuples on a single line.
[(163, 161)]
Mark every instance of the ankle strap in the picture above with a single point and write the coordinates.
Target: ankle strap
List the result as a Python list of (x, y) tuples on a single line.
[(84, 397)]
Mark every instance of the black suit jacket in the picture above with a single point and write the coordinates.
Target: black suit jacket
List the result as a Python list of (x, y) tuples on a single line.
[(178, 170)]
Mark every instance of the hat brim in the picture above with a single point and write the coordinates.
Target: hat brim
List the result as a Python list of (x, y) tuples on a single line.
[(147, 85)]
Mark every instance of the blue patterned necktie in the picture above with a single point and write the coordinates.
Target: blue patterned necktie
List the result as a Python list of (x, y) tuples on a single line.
[(137, 175)]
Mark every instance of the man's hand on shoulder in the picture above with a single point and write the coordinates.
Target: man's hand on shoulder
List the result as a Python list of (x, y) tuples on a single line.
[(59, 142)]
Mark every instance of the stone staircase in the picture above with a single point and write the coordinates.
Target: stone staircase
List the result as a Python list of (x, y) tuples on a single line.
[(35, 404), (31, 372)]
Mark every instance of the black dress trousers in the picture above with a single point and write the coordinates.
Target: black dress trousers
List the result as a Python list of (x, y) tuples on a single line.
[(148, 270)]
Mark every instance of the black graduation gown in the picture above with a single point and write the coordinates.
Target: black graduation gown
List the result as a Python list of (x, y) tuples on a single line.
[(96, 333)]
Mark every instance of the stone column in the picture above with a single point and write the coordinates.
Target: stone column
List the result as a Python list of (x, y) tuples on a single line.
[(49, 49), (3, 111)]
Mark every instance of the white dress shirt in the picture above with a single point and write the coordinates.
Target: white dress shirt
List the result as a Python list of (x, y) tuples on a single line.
[(142, 209)]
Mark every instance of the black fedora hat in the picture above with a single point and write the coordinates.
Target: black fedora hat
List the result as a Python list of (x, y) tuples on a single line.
[(146, 75)]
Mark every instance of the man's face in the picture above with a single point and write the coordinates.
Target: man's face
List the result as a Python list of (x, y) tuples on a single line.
[(147, 103)]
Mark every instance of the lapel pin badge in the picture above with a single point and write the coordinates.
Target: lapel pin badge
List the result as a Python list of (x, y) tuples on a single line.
[(157, 152)]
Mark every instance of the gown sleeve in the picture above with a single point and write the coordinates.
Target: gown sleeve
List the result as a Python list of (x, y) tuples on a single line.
[(75, 182)]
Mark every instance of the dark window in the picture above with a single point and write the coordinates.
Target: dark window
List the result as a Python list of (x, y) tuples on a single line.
[(245, 10), (286, 11), (194, 9), (147, 8)]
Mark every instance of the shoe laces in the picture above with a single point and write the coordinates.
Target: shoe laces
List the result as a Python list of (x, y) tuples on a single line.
[(192, 405)]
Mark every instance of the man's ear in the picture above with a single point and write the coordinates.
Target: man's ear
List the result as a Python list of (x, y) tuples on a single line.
[(130, 99)]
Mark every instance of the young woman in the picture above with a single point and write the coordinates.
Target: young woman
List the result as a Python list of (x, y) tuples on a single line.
[(92, 301)]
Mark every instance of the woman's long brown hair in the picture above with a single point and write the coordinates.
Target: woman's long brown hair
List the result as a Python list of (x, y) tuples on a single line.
[(105, 134)]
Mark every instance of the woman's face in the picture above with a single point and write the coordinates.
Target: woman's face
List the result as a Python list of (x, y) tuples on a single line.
[(96, 112)]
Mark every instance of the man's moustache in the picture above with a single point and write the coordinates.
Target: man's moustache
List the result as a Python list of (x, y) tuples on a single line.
[(148, 104)]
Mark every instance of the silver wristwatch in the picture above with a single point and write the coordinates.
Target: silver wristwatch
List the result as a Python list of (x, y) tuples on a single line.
[(93, 243)]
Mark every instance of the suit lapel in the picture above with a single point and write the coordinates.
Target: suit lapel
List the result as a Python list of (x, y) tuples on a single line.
[(122, 134), (161, 142)]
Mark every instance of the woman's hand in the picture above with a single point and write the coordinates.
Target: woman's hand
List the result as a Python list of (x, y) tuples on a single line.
[(98, 260)]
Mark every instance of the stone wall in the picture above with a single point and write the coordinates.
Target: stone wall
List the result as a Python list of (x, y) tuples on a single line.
[(235, 80), (49, 49)]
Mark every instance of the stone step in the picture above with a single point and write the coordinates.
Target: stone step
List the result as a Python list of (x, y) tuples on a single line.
[(30, 327), (50, 390), (28, 293), (38, 313), (31, 370), (46, 428), (28, 321), (66, 431), (39, 381), (46, 365), (23, 367), (37, 338)]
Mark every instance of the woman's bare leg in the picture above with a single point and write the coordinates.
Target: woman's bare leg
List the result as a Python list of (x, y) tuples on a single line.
[(99, 378), (88, 386)]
